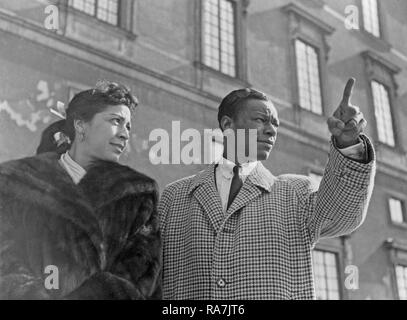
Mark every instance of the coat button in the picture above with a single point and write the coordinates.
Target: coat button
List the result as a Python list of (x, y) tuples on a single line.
[(221, 283)]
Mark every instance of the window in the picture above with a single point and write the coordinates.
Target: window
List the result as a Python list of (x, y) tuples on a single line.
[(396, 210), (316, 178), (105, 10), (326, 275), (383, 115), (308, 77), (219, 36), (371, 17), (401, 276)]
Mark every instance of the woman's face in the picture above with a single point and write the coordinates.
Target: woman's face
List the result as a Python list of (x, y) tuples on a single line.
[(107, 134)]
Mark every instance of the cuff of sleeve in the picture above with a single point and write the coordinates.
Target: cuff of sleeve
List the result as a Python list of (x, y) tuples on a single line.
[(342, 165), (362, 152), (356, 152)]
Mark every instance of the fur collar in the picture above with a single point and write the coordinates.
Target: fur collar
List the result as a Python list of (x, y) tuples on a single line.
[(41, 182)]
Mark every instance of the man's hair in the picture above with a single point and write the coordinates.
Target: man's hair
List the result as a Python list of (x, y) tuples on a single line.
[(230, 104)]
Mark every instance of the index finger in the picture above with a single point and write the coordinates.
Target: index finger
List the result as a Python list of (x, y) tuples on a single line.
[(348, 91)]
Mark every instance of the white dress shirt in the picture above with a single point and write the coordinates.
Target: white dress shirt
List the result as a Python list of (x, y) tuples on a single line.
[(75, 171), (224, 175)]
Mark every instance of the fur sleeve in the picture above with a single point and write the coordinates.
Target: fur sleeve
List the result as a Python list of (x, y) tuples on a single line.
[(126, 206)]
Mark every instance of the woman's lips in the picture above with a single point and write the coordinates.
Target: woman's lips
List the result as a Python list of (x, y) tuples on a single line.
[(118, 147)]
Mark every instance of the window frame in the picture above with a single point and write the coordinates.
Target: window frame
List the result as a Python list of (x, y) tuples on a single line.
[(404, 266), (339, 267), (397, 255), (379, 20), (383, 71), (120, 9), (388, 90), (317, 172), (402, 224), (313, 31), (317, 49), (219, 52), (240, 29)]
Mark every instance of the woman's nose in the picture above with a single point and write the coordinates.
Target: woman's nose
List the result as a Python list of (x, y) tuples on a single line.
[(124, 133)]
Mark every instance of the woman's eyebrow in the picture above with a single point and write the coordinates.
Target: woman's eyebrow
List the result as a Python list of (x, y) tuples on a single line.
[(117, 115)]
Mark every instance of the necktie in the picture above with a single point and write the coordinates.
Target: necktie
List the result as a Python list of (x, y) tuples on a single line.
[(235, 186)]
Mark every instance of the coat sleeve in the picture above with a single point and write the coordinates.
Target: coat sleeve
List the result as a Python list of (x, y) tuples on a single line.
[(17, 281), (135, 273), (140, 260), (340, 204)]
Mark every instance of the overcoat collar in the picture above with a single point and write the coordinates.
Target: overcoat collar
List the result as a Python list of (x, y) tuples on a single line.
[(203, 187)]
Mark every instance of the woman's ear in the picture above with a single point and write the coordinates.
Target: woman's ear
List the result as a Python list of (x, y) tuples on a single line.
[(226, 123), (79, 126)]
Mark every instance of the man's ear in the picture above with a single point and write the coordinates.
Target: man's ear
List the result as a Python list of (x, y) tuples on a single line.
[(226, 123)]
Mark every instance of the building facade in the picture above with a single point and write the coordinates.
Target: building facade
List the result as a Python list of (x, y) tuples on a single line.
[(180, 57)]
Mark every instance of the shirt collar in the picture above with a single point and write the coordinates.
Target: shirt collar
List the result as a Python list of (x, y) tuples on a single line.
[(75, 171), (226, 167)]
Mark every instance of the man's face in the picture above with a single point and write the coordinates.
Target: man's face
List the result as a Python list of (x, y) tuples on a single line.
[(261, 116), (107, 133)]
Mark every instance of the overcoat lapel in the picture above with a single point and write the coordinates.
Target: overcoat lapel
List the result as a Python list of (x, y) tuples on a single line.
[(203, 187), (259, 180)]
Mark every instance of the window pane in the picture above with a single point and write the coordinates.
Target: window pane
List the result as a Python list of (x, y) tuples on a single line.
[(401, 275), (308, 77), (87, 6), (396, 210), (219, 36), (105, 10), (108, 11), (326, 275), (371, 17), (316, 179), (383, 113)]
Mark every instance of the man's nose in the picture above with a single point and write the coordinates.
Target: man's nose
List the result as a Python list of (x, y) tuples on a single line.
[(270, 129)]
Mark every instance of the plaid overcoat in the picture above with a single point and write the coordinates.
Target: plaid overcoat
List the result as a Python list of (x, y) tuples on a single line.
[(261, 249)]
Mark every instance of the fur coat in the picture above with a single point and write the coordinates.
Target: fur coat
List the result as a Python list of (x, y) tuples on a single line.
[(95, 240)]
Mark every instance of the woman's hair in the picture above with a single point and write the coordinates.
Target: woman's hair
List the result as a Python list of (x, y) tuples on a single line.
[(84, 105)]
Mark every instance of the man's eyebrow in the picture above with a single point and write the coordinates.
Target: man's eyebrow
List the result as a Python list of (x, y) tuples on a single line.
[(268, 115)]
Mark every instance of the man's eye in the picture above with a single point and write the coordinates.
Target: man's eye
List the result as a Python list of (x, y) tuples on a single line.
[(116, 121)]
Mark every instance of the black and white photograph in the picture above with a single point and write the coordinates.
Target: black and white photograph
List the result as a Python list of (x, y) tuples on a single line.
[(216, 151)]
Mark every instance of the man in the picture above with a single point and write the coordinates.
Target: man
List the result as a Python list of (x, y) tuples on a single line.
[(235, 231)]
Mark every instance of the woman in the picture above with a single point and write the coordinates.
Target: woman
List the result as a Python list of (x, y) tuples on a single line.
[(75, 224)]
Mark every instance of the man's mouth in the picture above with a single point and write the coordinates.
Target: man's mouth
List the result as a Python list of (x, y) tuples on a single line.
[(269, 142)]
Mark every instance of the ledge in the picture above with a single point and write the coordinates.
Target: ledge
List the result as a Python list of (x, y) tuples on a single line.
[(219, 74), (302, 13), (390, 66), (398, 244)]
